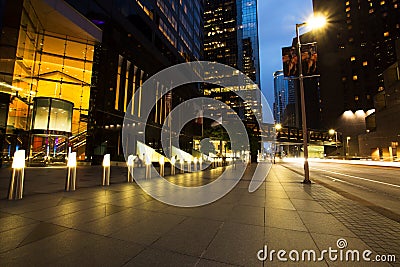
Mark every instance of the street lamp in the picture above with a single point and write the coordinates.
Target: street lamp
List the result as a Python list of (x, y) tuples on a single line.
[(314, 22)]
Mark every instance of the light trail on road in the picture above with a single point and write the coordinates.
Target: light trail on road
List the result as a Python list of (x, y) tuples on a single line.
[(356, 177)]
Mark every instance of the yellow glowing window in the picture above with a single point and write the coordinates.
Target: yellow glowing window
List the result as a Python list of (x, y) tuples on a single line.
[(386, 34), (382, 3), (347, 3), (355, 77), (347, 9), (395, 5), (353, 58), (356, 98), (365, 63), (371, 11)]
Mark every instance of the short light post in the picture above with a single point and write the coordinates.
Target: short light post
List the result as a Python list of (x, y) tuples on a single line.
[(161, 161), (106, 170), (147, 162), (70, 183), (195, 164), (16, 188), (315, 22), (173, 161), (131, 166), (182, 162), (189, 164)]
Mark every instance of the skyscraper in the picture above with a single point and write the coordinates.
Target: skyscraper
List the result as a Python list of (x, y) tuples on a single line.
[(354, 50), (231, 38), (281, 94)]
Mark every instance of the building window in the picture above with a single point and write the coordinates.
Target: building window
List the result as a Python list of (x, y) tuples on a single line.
[(371, 11), (353, 58), (386, 34), (382, 3), (120, 60), (368, 97), (347, 3), (356, 98), (347, 9), (355, 77), (365, 63), (344, 79)]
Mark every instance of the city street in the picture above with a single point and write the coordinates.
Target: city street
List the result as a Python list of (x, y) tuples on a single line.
[(376, 186), (120, 225)]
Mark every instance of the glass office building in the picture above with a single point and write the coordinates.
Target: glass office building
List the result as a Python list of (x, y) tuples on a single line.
[(94, 55), (231, 38)]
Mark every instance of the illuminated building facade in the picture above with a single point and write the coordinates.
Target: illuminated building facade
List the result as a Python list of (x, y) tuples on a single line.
[(96, 55), (354, 50), (285, 105), (231, 38)]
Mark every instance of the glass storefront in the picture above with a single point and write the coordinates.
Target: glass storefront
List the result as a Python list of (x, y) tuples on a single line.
[(48, 65)]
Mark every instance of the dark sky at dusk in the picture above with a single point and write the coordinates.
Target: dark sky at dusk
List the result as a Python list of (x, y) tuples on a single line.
[(276, 22)]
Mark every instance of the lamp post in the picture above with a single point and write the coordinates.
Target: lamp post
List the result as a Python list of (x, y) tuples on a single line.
[(315, 22)]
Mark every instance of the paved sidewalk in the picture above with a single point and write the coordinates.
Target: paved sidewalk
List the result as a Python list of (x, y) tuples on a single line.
[(122, 226)]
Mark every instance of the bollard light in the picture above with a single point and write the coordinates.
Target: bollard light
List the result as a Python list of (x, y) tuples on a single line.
[(147, 162), (106, 170), (201, 163), (173, 161), (70, 183), (195, 164), (19, 160), (16, 189), (189, 163), (181, 161), (131, 165), (162, 162)]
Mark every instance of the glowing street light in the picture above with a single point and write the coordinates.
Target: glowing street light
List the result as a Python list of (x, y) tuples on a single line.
[(314, 22)]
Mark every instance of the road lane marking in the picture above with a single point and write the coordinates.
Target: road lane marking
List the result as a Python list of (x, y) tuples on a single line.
[(334, 179), (359, 178)]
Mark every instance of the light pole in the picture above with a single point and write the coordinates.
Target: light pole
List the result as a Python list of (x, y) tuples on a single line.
[(315, 22)]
